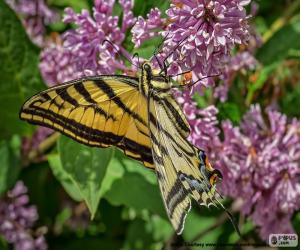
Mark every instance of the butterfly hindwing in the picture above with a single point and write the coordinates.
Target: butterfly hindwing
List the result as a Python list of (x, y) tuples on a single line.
[(176, 162), (97, 111)]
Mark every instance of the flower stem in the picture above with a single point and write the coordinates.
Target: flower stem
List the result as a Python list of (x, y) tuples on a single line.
[(281, 21), (43, 147)]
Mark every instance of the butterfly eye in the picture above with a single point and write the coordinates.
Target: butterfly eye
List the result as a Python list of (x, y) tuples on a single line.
[(147, 67)]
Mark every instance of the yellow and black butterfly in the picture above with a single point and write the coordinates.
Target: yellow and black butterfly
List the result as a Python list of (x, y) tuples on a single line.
[(140, 116)]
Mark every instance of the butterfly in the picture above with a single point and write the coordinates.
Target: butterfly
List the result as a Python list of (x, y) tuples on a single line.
[(140, 116)]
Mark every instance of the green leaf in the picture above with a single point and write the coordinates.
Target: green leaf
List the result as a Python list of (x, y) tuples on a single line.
[(204, 99), (147, 49), (196, 223), (246, 228), (63, 177), (229, 110), (134, 187), (134, 191), (148, 233), (9, 163), (73, 242), (77, 5), (86, 166), (161, 228), (259, 83), (291, 102), (142, 8), (3, 243), (20, 77), (138, 237), (281, 43), (296, 221)]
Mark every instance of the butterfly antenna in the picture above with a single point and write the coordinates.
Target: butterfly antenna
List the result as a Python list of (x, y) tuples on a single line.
[(138, 57), (182, 73), (117, 50), (162, 66), (200, 79)]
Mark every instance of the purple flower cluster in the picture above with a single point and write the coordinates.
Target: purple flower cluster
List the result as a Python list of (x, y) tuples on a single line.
[(144, 30), (56, 64), (199, 34), (242, 62), (260, 162), (17, 219), (35, 15), (93, 47)]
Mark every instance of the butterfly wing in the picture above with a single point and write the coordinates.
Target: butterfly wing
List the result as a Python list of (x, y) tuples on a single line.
[(176, 161), (96, 111)]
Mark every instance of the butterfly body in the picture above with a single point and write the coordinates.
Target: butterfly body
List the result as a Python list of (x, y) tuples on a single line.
[(140, 116)]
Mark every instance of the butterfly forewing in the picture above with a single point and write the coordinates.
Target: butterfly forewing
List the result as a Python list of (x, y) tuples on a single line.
[(97, 111)]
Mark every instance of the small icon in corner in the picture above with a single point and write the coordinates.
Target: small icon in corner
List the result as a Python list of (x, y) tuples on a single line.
[(283, 240)]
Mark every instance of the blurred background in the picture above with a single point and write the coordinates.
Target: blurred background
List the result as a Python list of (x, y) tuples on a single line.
[(58, 194)]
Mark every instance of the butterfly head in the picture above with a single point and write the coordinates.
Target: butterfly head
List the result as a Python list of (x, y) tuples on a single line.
[(151, 80), (213, 176)]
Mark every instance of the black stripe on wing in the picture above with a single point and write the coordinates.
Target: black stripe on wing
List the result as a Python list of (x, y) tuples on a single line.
[(117, 100), (93, 135), (84, 93), (63, 93), (172, 110), (154, 121)]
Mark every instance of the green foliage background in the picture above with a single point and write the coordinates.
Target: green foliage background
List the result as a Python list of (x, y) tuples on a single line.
[(119, 195)]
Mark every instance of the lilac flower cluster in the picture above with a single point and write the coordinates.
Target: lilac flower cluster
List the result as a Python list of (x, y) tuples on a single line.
[(199, 34), (35, 15), (17, 218), (260, 162), (93, 47), (144, 30), (242, 62), (56, 64)]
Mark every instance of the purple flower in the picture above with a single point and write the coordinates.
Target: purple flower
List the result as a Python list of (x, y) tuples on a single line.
[(240, 63), (35, 15), (56, 64), (93, 47), (17, 218), (128, 17), (144, 30), (202, 33), (260, 162), (87, 41)]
